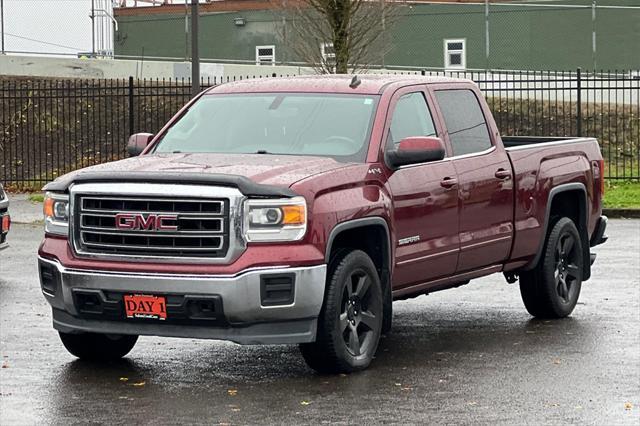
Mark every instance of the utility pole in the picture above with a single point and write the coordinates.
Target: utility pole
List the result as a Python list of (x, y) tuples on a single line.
[(195, 55), (93, 28), (486, 33), (186, 30), (2, 24), (593, 35)]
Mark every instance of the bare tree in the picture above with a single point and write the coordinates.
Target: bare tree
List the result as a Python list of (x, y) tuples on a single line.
[(337, 36)]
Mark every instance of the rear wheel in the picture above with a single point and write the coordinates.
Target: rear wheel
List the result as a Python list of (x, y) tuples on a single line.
[(350, 321), (552, 288), (98, 347)]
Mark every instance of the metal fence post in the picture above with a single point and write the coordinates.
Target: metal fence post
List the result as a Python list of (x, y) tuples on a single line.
[(130, 97), (579, 106)]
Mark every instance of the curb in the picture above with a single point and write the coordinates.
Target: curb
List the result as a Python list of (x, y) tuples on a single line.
[(622, 213)]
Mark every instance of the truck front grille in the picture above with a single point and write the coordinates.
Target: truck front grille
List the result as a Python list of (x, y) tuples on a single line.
[(151, 226)]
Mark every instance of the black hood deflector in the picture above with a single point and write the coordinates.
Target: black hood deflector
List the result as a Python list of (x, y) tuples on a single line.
[(244, 184)]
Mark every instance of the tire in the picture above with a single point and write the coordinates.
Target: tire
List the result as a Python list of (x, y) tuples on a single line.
[(98, 347), (552, 288), (350, 321)]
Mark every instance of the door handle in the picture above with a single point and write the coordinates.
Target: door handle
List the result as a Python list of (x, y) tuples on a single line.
[(503, 174), (448, 182)]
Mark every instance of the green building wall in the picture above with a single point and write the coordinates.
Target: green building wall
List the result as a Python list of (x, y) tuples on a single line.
[(533, 38)]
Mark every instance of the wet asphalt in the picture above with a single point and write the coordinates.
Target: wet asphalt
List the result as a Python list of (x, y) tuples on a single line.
[(470, 355)]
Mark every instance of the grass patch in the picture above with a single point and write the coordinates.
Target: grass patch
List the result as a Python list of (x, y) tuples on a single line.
[(36, 198), (622, 195)]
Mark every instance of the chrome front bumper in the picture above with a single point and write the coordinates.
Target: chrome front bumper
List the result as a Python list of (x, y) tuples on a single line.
[(247, 319)]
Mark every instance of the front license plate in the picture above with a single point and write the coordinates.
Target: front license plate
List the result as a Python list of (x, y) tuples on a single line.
[(145, 306)]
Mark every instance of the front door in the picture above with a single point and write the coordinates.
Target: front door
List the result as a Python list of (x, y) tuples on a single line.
[(484, 177), (425, 203)]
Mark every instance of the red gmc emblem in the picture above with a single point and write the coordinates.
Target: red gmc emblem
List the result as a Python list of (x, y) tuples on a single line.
[(150, 222)]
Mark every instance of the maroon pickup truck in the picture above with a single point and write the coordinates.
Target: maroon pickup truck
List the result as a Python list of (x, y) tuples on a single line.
[(295, 210)]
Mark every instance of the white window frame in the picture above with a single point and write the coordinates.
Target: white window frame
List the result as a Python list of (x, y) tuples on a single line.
[(327, 56), (462, 52), (265, 59)]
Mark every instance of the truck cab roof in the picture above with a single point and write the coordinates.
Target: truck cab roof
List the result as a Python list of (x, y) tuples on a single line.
[(370, 84)]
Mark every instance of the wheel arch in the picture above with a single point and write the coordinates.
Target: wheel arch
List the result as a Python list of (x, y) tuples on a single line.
[(562, 200), (360, 225), (363, 234)]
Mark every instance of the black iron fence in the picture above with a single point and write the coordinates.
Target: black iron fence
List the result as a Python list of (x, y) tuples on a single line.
[(49, 127)]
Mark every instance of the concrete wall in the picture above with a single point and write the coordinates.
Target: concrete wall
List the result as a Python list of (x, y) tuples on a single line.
[(109, 68)]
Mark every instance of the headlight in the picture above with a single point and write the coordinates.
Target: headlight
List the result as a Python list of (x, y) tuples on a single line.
[(275, 220), (56, 213)]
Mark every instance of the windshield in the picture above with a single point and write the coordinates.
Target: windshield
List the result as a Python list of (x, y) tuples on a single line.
[(325, 125)]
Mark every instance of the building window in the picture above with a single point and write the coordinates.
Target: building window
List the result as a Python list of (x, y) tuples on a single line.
[(455, 54), (265, 55), (328, 52)]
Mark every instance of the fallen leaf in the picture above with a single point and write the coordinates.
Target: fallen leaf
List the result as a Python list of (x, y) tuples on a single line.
[(556, 361), (139, 384), (232, 392), (628, 406), (305, 402)]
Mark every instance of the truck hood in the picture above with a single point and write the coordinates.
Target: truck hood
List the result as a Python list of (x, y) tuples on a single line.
[(264, 169)]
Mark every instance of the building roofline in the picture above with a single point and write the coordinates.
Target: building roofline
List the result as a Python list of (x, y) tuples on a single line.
[(242, 5)]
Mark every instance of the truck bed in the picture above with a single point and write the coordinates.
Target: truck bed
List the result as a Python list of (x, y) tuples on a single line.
[(541, 164)]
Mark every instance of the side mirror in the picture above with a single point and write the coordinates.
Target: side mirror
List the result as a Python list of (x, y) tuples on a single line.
[(414, 150), (137, 143)]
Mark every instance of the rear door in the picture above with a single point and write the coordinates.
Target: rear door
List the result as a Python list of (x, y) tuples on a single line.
[(425, 211), (485, 183)]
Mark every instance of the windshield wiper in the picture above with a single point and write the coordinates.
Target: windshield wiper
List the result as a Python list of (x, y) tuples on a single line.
[(262, 151)]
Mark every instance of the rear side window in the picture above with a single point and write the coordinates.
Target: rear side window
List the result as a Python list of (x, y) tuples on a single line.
[(463, 116), (411, 117)]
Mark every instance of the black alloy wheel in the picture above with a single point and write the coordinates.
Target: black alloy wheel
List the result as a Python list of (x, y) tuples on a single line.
[(350, 321), (359, 319), (552, 288)]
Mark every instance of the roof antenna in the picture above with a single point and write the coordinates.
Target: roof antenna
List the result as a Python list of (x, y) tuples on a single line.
[(355, 82)]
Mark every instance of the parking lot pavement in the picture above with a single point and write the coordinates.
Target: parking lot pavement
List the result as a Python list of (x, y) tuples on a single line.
[(24, 210), (462, 356)]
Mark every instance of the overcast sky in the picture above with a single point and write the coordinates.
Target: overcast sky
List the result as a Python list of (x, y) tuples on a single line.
[(47, 26)]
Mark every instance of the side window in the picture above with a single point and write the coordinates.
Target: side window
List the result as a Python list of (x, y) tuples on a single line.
[(411, 117), (465, 122)]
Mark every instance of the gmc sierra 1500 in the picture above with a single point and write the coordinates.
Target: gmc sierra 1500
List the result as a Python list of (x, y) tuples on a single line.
[(295, 210)]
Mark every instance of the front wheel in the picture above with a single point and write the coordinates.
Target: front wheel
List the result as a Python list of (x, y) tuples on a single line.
[(350, 321), (552, 288), (98, 347)]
